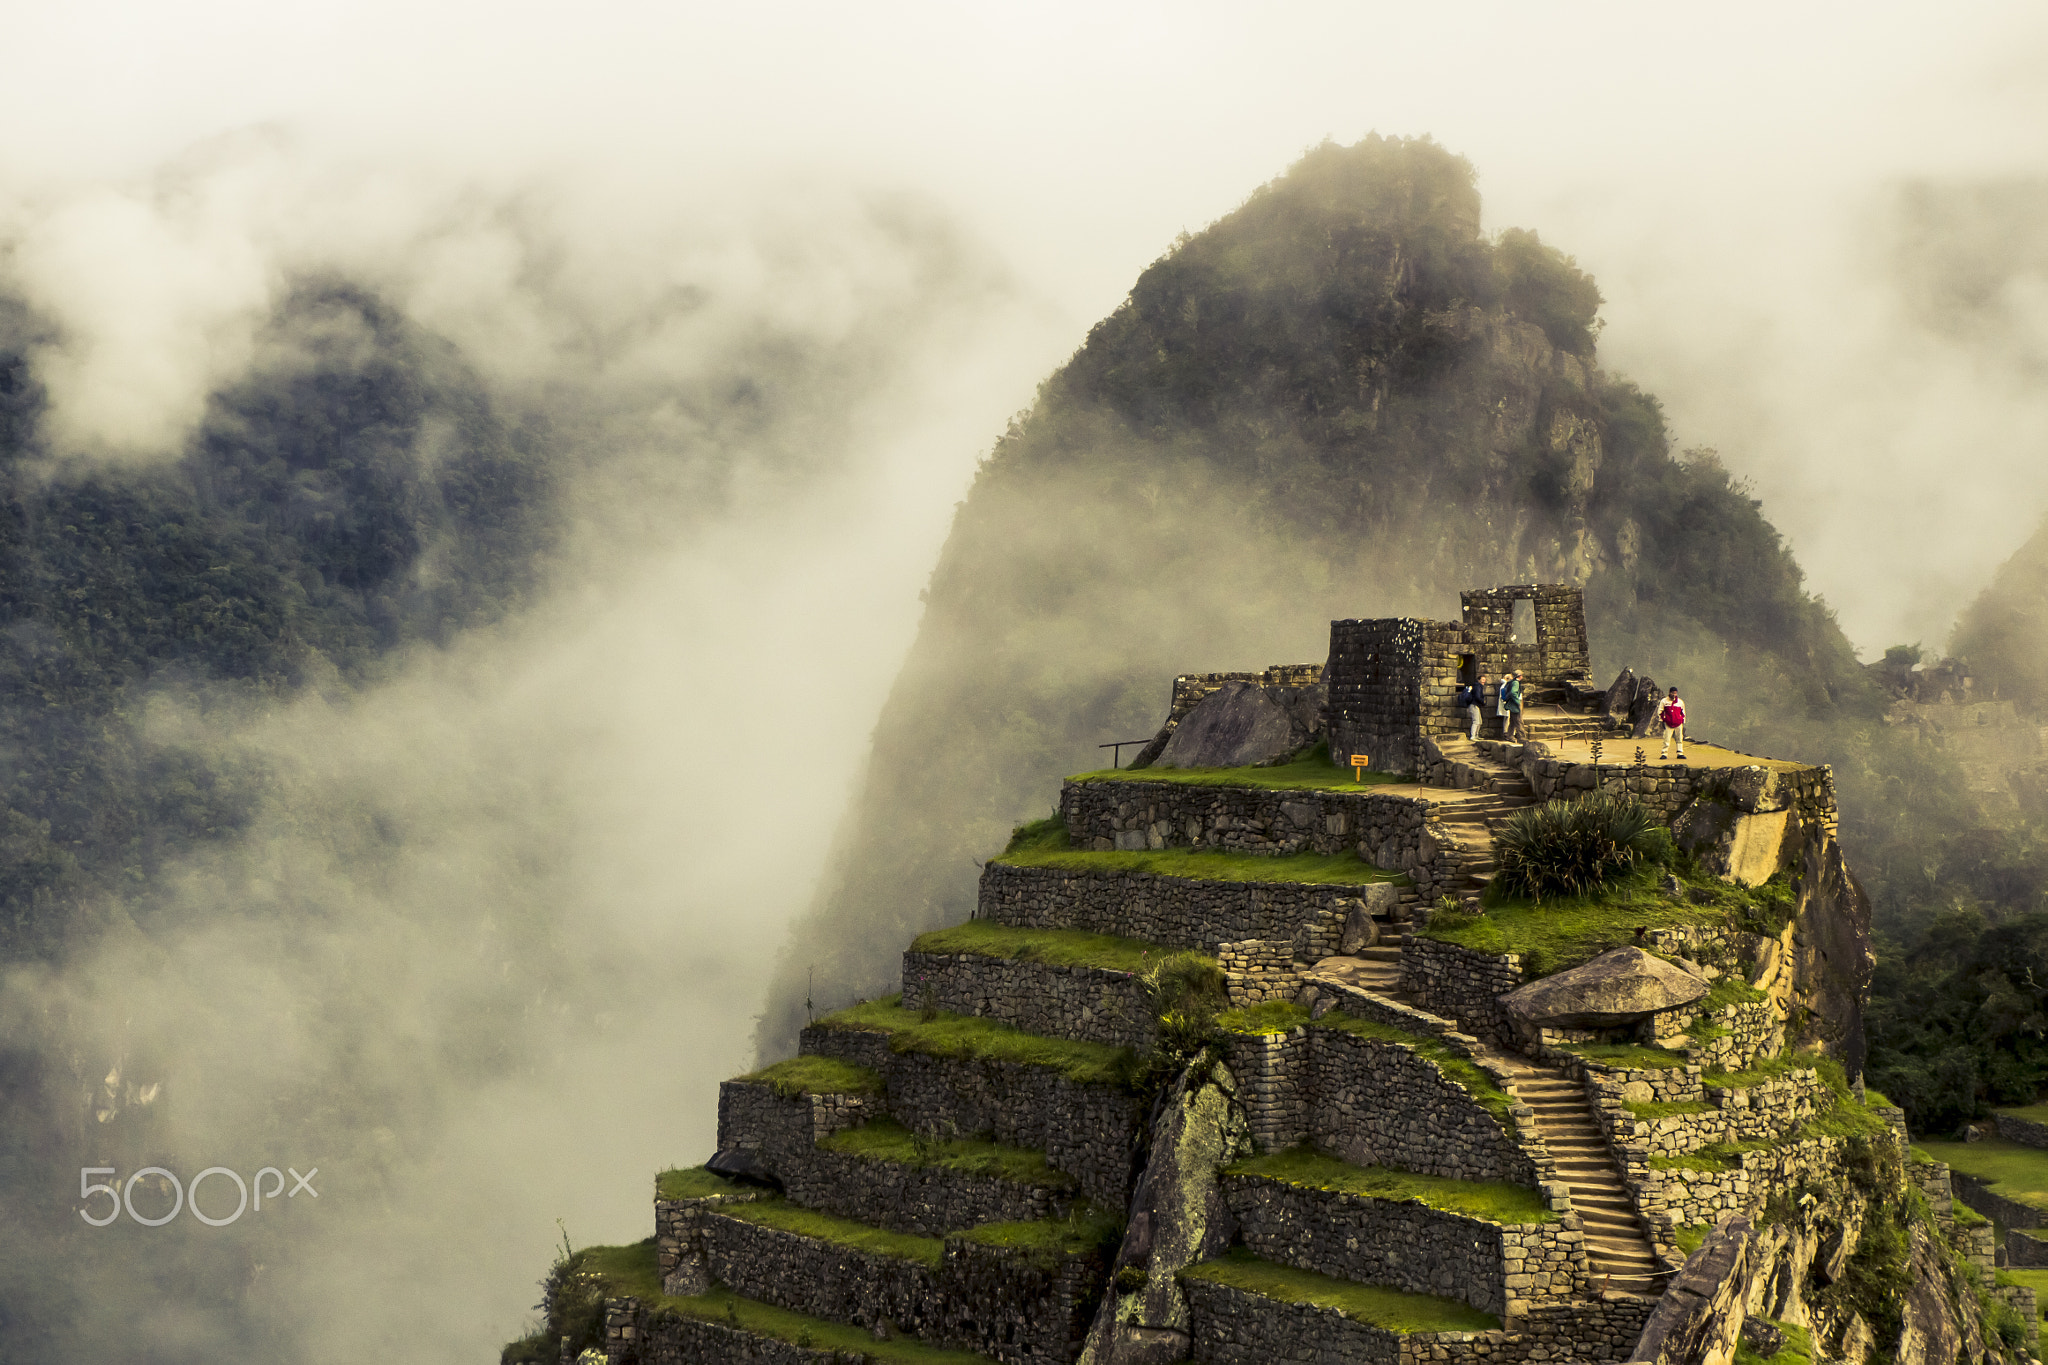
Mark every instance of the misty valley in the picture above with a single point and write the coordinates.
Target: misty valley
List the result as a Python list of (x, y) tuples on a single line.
[(452, 757)]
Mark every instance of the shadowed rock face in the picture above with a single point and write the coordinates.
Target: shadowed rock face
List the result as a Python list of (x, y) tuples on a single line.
[(1243, 723), (1621, 986)]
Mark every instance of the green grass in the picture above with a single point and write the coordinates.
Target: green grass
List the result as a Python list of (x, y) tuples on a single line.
[(1492, 1201), (1628, 1056), (1317, 869), (1314, 773), (1565, 931), (1763, 1069), (1877, 1099), (2037, 1280), (1652, 1109), (1967, 1217), (630, 1272), (887, 1140), (780, 1214), (814, 1075), (2010, 1170), (1275, 1016), (2032, 1113), (1391, 1309), (959, 1035), (1054, 947), (694, 1182), (1797, 1350), (1715, 1156), (1087, 1230), (1689, 1239)]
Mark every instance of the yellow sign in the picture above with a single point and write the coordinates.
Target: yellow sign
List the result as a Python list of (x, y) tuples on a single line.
[(1359, 763)]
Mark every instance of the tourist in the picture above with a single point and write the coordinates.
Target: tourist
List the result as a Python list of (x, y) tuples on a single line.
[(1472, 697), (1673, 716), (1511, 703)]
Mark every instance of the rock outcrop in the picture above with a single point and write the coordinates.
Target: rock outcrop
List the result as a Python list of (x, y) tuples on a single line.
[(1620, 987), (1241, 724)]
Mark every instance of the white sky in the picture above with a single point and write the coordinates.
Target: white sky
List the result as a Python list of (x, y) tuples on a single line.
[(1713, 168)]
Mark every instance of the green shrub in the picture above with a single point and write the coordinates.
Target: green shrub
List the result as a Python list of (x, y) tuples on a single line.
[(1570, 848)]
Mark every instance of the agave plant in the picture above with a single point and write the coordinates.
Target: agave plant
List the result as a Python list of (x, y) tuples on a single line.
[(1570, 848)]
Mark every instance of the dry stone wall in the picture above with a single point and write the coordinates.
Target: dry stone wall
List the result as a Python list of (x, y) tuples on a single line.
[(1002, 1302), (1372, 1103), (1174, 912), (2026, 1132), (1463, 984), (1091, 1004), (1235, 1327), (1407, 1245), (931, 1200), (1385, 830), (1089, 1131)]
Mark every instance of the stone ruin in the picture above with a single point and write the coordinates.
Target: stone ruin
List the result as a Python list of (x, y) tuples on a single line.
[(906, 1179)]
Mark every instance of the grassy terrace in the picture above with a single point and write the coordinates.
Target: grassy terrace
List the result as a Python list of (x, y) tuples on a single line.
[(1314, 773), (2033, 1113), (958, 1035), (1043, 843), (1391, 1309), (1054, 947), (2036, 1280), (694, 1182), (1310, 1170), (887, 1140), (1284, 1016), (630, 1272), (810, 1075), (1567, 930), (2010, 1170), (1629, 1056)]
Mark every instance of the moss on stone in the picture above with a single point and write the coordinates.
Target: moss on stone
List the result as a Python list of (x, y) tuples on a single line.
[(1797, 1350), (1493, 1201), (963, 1036), (1628, 1056), (1716, 1157), (814, 1075), (1690, 1239), (1391, 1309), (1054, 947), (887, 1140), (1967, 1217)]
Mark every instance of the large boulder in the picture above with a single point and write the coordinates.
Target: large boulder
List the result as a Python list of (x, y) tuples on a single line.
[(1243, 723), (1622, 694), (1642, 712), (1620, 987)]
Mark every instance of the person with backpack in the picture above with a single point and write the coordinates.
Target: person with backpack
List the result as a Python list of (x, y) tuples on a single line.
[(1472, 697), (1673, 716), (1511, 704)]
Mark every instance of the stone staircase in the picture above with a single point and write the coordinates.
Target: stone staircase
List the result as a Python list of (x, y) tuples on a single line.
[(1474, 820), (1615, 1242), (1554, 723)]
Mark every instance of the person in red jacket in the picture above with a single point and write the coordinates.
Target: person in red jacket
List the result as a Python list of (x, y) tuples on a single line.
[(1673, 716)]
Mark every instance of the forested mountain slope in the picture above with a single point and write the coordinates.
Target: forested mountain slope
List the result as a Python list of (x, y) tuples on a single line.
[(356, 493), (1340, 400)]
